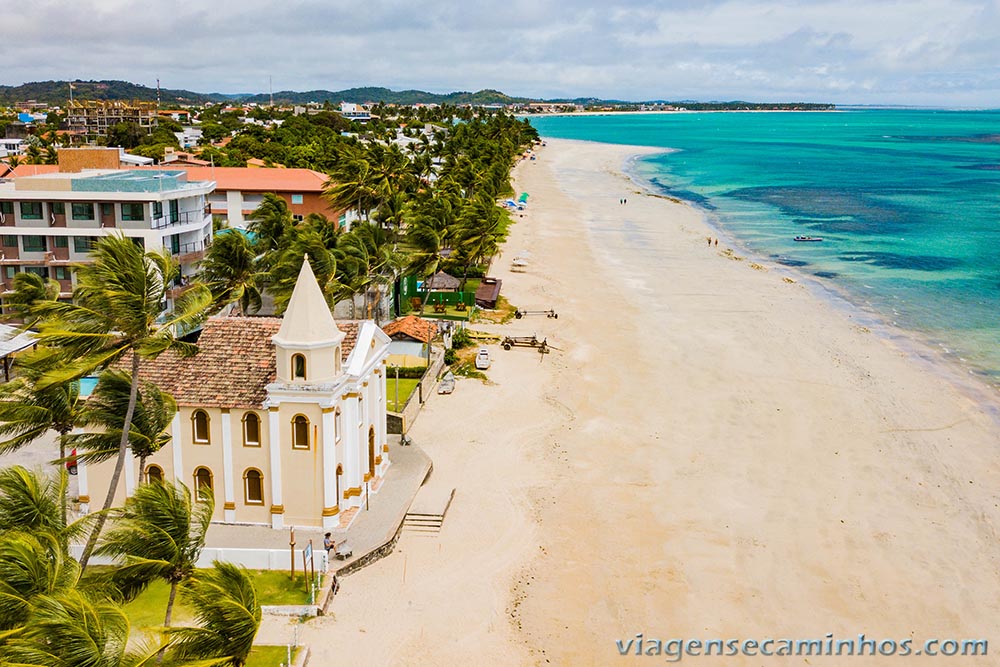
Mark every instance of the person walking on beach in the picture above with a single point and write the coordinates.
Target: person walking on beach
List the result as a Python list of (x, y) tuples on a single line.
[(716, 243), (709, 241)]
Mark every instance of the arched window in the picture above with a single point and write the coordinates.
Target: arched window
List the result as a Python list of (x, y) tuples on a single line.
[(199, 427), (154, 473), (253, 487), (300, 432), (371, 451), (337, 428), (251, 430), (340, 471), (202, 480), (298, 367)]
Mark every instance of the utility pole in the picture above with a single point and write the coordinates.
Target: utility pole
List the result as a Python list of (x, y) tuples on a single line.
[(270, 88)]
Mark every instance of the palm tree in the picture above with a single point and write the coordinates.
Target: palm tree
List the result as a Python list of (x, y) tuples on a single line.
[(352, 183), (227, 610), (303, 243), (31, 502), (154, 412), (31, 564), (29, 289), (159, 533), (71, 629), (29, 408), (231, 269), (270, 222), (117, 314)]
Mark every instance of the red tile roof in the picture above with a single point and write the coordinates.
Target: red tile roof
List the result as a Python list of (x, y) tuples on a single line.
[(234, 363), (255, 179), (415, 327)]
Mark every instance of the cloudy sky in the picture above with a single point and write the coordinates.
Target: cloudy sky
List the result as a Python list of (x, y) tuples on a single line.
[(926, 52)]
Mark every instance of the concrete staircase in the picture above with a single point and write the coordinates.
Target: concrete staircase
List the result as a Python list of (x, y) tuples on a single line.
[(426, 514)]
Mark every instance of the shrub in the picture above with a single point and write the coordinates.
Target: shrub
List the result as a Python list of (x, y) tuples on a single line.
[(461, 338), (450, 356)]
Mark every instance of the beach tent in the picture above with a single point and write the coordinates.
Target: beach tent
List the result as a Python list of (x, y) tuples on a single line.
[(523, 199)]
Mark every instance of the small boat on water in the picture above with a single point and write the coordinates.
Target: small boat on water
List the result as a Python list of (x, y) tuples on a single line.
[(808, 239)]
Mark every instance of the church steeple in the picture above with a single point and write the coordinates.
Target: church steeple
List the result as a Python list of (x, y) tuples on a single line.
[(308, 342)]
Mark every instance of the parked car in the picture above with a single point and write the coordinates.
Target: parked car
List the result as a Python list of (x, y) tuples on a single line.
[(483, 359)]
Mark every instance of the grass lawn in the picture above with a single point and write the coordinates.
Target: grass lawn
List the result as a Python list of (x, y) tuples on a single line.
[(270, 656), (273, 587), (406, 387)]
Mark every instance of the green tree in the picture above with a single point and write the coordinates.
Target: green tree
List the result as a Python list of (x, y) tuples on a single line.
[(32, 564), (104, 412), (29, 289), (158, 534), (71, 629), (228, 613), (30, 408), (270, 222), (231, 270), (116, 315), (125, 135)]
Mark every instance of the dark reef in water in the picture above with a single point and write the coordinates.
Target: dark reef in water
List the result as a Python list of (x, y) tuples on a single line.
[(832, 210), (891, 260)]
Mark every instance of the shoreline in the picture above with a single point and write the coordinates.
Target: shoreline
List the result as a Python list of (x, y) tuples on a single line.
[(973, 380), (707, 451)]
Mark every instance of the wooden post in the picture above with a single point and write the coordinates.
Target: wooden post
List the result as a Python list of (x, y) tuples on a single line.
[(291, 549)]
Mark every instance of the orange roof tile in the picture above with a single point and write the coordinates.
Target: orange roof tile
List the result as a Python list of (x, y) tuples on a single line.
[(255, 179), (412, 326), (234, 364)]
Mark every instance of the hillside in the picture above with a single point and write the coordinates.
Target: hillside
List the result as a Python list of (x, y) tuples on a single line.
[(371, 94), (57, 92)]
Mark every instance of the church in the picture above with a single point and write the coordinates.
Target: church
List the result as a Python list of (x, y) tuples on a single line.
[(283, 419)]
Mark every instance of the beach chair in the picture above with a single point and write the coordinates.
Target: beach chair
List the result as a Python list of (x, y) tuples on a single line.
[(343, 551)]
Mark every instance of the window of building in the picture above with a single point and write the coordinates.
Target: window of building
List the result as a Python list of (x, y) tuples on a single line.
[(61, 273), (133, 211), (60, 241), (175, 213), (253, 487), (7, 207), (8, 241), (33, 243), (157, 209), (298, 367), (82, 211), (336, 425), (40, 271), (297, 218), (296, 199), (300, 432), (199, 426), (31, 210), (107, 210), (84, 243), (251, 430), (154, 473), (11, 271), (202, 480), (58, 208)]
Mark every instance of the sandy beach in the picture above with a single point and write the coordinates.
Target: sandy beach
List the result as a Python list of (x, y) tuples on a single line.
[(710, 452)]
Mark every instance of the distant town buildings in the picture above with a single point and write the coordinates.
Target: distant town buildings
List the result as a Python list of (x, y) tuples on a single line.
[(96, 117), (358, 112)]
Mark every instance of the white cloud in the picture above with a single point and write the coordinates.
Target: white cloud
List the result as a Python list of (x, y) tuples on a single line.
[(921, 51)]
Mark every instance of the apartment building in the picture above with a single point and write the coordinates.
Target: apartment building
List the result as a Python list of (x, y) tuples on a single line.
[(95, 117), (50, 221)]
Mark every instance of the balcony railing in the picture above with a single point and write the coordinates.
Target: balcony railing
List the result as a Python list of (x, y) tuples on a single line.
[(184, 218)]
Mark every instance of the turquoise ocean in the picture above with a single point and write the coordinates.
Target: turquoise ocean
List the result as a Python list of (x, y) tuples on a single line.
[(907, 203)]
